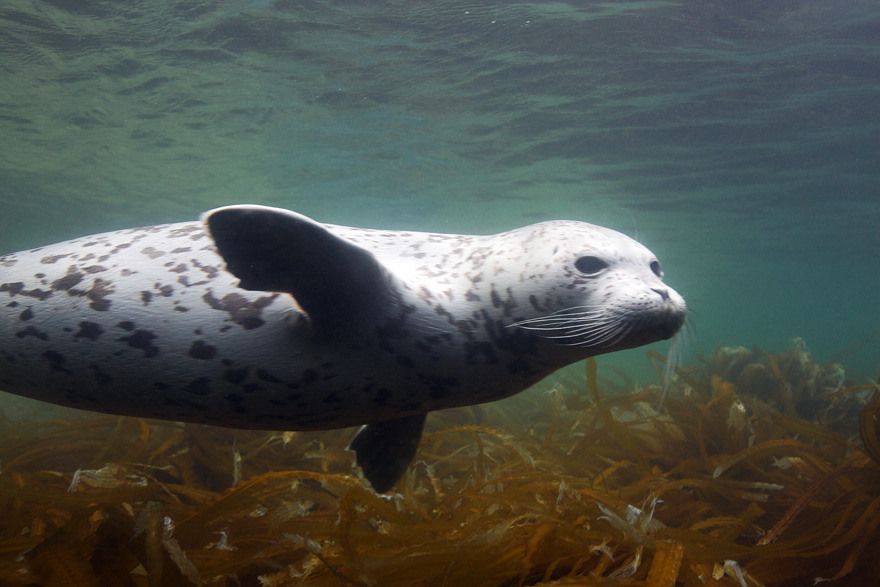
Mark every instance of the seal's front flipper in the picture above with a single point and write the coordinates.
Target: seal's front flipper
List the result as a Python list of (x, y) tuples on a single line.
[(270, 249), (385, 449)]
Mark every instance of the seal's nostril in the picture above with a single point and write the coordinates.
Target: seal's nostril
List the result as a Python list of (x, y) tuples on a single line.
[(664, 293)]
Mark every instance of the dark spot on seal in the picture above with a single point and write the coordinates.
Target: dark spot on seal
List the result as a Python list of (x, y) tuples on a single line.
[(179, 250), (309, 376), (101, 288), (438, 385), (180, 268), (100, 305), (166, 291), (473, 351), (201, 350), (209, 270), (72, 278), (26, 315), (89, 330), (181, 309), (101, 377), (152, 252), (440, 310), (241, 310), (533, 300), (182, 231), (200, 386), (126, 325), (56, 361), (143, 340), (266, 376), (17, 288), (146, 297), (94, 269), (32, 331), (235, 375), (52, 259)]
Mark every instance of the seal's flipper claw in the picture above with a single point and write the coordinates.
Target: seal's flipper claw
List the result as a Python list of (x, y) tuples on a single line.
[(385, 449), (270, 249)]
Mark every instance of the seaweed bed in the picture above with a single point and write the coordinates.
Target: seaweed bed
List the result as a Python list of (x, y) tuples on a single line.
[(750, 469)]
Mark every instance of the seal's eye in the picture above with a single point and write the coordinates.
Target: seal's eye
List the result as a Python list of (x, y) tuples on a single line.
[(655, 267), (590, 265)]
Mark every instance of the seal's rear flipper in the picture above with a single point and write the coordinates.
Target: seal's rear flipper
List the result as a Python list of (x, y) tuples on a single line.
[(270, 249), (385, 449)]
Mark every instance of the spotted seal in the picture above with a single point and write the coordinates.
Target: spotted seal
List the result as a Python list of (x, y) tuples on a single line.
[(263, 318)]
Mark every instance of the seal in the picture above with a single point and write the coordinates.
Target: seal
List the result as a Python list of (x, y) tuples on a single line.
[(263, 318)]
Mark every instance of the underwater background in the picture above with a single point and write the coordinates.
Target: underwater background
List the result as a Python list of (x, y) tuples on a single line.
[(739, 140)]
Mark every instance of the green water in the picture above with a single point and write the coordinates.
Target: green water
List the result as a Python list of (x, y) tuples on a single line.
[(738, 140)]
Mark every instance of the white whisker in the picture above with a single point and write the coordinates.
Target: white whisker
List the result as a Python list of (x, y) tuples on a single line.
[(575, 329), (558, 319)]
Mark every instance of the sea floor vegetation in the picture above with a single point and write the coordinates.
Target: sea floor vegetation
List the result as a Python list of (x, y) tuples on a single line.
[(747, 469)]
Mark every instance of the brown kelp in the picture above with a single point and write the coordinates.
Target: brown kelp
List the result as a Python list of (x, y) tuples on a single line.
[(711, 482)]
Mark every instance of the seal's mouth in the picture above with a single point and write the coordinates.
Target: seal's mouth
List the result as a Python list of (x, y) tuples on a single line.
[(655, 328)]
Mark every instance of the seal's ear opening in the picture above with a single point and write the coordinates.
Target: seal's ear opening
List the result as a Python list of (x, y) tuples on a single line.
[(270, 249)]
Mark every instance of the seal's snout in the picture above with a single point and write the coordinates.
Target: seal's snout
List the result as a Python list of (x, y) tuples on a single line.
[(675, 311)]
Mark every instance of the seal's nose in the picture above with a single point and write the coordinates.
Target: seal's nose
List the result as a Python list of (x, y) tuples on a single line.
[(662, 292)]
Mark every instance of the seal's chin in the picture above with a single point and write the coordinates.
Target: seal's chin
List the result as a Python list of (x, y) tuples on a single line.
[(645, 330)]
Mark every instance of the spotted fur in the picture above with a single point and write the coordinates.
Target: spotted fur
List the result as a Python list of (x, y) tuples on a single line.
[(150, 321)]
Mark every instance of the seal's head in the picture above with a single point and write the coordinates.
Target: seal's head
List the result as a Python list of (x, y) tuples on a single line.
[(601, 290)]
